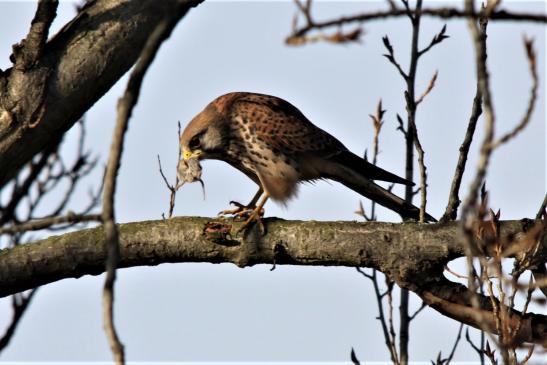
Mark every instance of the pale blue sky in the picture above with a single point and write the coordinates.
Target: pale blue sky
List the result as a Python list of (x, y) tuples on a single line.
[(190, 312)]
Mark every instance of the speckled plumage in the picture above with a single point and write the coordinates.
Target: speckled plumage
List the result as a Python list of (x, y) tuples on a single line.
[(275, 145)]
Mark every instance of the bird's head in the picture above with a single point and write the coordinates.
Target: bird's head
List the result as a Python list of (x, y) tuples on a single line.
[(205, 136)]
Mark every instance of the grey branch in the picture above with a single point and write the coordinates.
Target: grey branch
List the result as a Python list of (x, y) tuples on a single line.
[(126, 103), (38, 224), (425, 248), (444, 13), (451, 211), (26, 53)]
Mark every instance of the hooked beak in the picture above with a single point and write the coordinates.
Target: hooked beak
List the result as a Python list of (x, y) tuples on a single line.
[(186, 155)]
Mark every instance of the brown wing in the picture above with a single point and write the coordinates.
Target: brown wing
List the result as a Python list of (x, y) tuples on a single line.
[(282, 126)]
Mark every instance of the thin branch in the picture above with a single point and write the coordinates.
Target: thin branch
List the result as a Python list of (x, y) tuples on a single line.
[(173, 188), (377, 123), (392, 335), (483, 80), (19, 305), (21, 191), (339, 37), (478, 349), (423, 170), (542, 208), (38, 224), (476, 110), (416, 312), (388, 337), (527, 357), (470, 212), (456, 342), (125, 107), (400, 126), (531, 55), (444, 13), (540, 275), (438, 38), (354, 359), (391, 57), (392, 4), (409, 134), (430, 87)]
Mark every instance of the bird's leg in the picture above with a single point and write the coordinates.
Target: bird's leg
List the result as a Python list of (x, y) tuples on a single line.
[(243, 210), (256, 215)]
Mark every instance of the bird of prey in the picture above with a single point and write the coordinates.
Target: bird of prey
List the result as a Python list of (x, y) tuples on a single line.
[(276, 146)]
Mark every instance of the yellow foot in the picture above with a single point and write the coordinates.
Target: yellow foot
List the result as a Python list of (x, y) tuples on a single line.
[(242, 211), (255, 216)]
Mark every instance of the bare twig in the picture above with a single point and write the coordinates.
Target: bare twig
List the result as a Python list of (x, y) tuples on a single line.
[(422, 168), (389, 336), (392, 335), (479, 42), (410, 135), (392, 4), (416, 312), (456, 342), (444, 13), (41, 177), (541, 210), (391, 57), (338, 37), (38, 224), (19, 304), (438, 38), (354, 359), (125, 108), (458, 275), (361, 212), (377, 123), (305, 9), (478, 349), (400, 126), (173, 188), (430, 87), (470, 205), (527, 357), (476, 110), (21, 191), (531, 55)]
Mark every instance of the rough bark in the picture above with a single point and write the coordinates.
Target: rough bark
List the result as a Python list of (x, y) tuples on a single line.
[(413, 255), (42, 99)]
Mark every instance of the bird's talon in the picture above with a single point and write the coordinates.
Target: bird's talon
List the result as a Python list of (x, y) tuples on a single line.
[(254, 217), (242, 211), (239, 205)]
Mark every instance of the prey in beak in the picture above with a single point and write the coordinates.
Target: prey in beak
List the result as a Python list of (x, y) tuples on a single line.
[(189, 170)]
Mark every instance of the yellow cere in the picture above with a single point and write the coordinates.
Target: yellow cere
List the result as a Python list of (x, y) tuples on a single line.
[(187, 154)]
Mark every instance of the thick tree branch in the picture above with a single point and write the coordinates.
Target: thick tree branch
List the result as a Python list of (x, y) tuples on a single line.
[(413, 255), (26, 53), (71, 73), (454, 301)]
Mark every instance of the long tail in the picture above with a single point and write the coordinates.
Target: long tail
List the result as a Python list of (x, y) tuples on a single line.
[(357, 174)]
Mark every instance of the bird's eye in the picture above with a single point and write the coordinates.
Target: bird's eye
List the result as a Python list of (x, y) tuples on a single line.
[(194, 143)]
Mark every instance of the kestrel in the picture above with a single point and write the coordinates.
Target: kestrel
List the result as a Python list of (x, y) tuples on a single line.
[(276, 146)]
